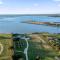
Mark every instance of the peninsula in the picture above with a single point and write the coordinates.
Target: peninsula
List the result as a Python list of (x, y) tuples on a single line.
[(42, 23)]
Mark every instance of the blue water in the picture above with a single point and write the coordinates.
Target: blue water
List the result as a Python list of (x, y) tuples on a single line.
[(12, 24)]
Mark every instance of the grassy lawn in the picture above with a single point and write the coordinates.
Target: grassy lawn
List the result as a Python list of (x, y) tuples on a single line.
[(7, 43)]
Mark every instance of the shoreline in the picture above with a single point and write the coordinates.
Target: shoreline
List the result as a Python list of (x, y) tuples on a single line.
[(30, 33)]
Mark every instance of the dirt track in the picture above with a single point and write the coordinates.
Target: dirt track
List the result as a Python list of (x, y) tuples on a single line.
[(1, 48)]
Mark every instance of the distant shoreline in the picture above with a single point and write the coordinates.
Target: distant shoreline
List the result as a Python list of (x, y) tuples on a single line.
[(49, 15), (42, 23)]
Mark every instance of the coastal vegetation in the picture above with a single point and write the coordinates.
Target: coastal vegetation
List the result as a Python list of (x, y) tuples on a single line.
[(41, 46)]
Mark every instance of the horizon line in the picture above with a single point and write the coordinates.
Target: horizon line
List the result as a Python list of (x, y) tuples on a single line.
[(32, 14)]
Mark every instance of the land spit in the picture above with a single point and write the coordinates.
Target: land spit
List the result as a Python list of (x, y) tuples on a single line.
[(42, 23)]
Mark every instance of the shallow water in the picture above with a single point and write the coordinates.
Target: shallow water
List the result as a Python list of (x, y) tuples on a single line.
[(12, 24)]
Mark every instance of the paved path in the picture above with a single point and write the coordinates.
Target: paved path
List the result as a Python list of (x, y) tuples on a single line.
[(56, 58), (26, 49), (1, 48)]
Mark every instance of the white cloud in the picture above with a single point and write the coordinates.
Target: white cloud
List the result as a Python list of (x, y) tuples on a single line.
[(1, 2), (56, 0), (36, 4), (33, 10), (59, 5)]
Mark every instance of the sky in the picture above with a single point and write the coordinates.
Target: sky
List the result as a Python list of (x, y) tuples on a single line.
[(29, 6)]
